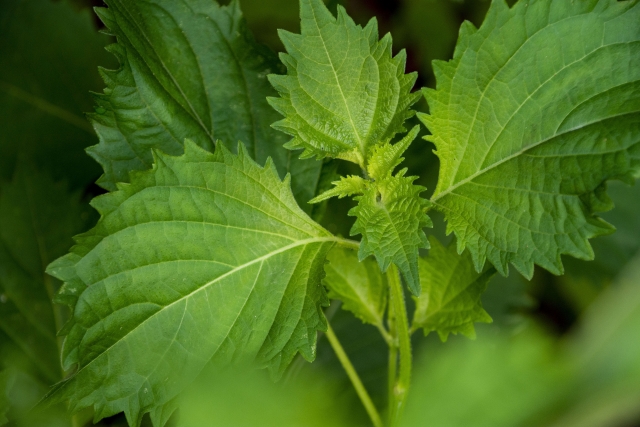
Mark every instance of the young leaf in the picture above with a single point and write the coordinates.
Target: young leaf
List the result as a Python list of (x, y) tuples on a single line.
[(537, 109), (451, 290), (50, 54), (204, 259), (187, 71), (37, 220), (343, 92), (359, 285), (346, 186)]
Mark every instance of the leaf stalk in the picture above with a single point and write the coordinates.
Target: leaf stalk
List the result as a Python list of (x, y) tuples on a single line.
[(355, 379)]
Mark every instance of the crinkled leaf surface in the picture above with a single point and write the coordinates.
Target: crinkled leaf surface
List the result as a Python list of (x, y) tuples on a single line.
[(187, 70), (537, 109), (359, 285), (390, 214), (343, 92), (204, 259), (451, 290), (37, 220), (50, 54)]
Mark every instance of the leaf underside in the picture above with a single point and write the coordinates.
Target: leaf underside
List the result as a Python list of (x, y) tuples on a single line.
[(359, 285), (205, 259), (451, 289), (538, 108), (187, 71), (343, 92)]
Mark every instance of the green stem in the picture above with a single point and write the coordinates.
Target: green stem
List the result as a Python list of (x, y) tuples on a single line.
[(355, 379), (401, 388), (393, 363), (349, 244)]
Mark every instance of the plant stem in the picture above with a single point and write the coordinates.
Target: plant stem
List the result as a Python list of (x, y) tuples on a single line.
[(355, 379), (401, 386), (349, 244)]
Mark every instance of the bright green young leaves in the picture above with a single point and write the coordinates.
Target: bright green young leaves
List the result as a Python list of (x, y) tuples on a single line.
[(451, 290), (204, 259), (359, 285), (344, 92), (187, 71), (390, 214), (537, 109)]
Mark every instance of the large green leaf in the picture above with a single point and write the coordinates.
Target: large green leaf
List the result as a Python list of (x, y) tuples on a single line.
[(359, 285), (451, 289), (343, 92), (204, 259), (50, 53), (37, 220), (187, 70), (537, 109)]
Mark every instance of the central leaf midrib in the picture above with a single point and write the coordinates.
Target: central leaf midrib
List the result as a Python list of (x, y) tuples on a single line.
[(335, 74), (193, 112), (522, 151)]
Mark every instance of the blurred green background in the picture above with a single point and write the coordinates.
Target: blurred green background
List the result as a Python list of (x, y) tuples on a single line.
[(562, 351)]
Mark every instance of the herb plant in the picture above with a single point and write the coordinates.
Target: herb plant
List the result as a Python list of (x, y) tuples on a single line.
[(217, 160)]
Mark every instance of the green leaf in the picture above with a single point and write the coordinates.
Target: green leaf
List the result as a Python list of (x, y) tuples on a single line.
[(37, 220), (390, 213), (345, 186), (205, 259), (537, 109), (50, 53), (451, 289), (187, 71), (4, 401), (359, 285), (343, 92)]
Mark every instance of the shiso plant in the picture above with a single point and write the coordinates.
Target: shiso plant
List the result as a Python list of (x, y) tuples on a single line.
[(217, 161)]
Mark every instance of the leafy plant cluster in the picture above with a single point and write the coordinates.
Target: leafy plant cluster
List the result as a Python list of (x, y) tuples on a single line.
[(220, 162)]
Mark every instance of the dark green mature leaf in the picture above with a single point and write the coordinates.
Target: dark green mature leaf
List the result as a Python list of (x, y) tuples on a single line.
[(451, 289), (204, 259), (50, 53), (4, 401), (343, 93), (538, 108), (37, 220), (187, 70), (359, 285)]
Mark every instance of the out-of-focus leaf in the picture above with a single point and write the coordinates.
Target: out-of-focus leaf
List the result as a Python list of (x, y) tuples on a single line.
[(360, 286), (607, 354), (496, 381), (50, 53), (37, 220), (250, 399)]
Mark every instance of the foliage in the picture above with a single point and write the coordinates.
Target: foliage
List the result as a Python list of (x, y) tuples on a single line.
[(212, 254)]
